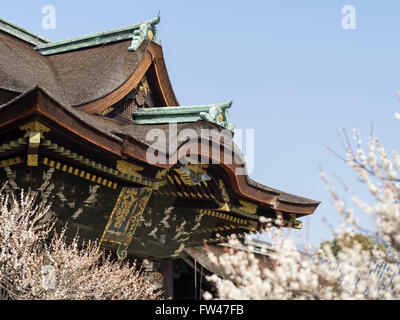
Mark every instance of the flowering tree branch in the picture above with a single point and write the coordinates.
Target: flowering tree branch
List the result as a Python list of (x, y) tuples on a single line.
[(34, 264), (354, 271)]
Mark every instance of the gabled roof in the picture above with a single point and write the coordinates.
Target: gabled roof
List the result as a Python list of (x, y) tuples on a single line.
[(91, 72)]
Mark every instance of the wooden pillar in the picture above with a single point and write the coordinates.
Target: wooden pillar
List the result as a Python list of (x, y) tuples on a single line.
[(167, 271)]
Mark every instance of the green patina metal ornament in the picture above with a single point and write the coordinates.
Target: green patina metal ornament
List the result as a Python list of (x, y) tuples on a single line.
[(146, 31), (216, 113), (137, 32)]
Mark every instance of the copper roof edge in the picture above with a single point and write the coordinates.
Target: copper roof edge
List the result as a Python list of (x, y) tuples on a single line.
[(22, 33), (139, 32)]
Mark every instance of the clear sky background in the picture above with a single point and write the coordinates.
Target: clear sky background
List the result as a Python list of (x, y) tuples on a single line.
[(294, 74)]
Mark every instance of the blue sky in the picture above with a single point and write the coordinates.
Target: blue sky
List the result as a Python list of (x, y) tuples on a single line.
[(294, 74)]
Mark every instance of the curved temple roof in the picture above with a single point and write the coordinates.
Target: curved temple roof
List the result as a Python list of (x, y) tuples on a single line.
[(66, 84), (83, 70)]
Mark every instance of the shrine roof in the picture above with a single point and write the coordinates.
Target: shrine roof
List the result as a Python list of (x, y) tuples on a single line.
[(77, 71), (123, 137), (67, 84)]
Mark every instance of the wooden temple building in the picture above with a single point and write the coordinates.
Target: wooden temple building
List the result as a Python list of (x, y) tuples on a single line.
[(75, 120)]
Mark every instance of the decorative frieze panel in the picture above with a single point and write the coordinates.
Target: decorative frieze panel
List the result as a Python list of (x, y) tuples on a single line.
[(139, 98), (125, 218), (75, 197)]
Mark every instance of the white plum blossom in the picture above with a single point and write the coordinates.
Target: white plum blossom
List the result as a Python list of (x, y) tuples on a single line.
[(354, 272), (34, 264)]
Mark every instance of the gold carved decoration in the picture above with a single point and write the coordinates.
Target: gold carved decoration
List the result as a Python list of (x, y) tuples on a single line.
[(150, 34), (32, 160), (248, 207), (161, 174), (198, 168), (105, 111), (78, 172), (296, 224), (192, 174), (224, 216), (129, 168), (34, 139), (224, 206), (145, 84), (224, 192), (34, 126), (125, 218), (33, 148), (187, 180), (11, 162)]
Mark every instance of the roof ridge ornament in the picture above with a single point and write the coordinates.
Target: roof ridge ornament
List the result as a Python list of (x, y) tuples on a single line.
[(145, 30), (216, 113)]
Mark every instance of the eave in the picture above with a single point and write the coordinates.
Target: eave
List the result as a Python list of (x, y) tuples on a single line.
[(216, 113), (38, 104)]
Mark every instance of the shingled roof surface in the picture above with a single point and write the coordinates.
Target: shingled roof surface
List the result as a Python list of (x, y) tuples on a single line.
[(87, 75), (21, 67), (75, 77)]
